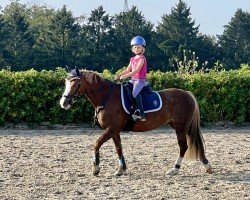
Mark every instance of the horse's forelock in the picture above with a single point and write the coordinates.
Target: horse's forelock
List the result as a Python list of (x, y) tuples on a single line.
[(73, 73), (71, 78)]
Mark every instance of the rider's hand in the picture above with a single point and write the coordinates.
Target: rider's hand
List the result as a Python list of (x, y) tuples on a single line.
[(117, 78)]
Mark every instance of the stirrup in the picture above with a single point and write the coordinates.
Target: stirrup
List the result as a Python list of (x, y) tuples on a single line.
[(136, 116)]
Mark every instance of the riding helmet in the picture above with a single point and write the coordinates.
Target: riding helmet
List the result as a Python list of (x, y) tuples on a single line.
[(138, 40)]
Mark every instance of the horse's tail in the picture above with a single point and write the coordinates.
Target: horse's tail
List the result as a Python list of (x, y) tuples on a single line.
[(194, 137)]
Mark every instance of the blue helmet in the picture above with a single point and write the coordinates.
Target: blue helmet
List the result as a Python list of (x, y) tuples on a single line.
[(138, 40)]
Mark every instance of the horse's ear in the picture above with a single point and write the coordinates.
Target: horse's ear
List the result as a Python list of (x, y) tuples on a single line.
[(68, 68), (77, 71)]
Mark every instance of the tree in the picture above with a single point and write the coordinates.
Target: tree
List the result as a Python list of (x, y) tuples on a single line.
[(3, 35), (207, 50), (17, 50), (177, 32), (235, 40), (58, 43), (98, 33), (128, 25), (39, 18)]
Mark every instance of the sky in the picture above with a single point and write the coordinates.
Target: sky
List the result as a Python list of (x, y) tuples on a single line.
[(211, 15)]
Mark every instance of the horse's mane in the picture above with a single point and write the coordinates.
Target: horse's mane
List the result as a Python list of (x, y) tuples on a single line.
[(95, 77)]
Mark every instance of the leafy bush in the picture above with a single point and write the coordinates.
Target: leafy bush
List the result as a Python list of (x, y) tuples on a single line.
[(222, 96), (33, 97)]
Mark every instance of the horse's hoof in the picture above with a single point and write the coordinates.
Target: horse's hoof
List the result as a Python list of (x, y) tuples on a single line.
[(209, 170), (172, 172), (120, 171), (95, 170)]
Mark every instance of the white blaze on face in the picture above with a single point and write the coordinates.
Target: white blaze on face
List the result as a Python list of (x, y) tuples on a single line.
[(66, 92)]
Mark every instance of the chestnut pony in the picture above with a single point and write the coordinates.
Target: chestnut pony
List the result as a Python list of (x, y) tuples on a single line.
[(179, 110)]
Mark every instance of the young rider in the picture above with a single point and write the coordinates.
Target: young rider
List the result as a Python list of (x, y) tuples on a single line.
[(137, 70)]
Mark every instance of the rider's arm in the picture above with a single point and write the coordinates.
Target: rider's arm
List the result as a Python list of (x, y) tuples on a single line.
[(135, 71), (126, 71)]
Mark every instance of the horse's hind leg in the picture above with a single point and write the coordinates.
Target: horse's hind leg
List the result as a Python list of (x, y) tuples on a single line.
[(122, 164), (207, 165), (182, 141)]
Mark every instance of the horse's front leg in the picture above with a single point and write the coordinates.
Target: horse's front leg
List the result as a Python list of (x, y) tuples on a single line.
[(106, 135), (122, 164)]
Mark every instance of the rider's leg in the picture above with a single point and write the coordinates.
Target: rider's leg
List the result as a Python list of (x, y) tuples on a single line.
[(139, 111)]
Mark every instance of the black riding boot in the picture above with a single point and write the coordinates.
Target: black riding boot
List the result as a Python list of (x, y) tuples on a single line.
[(139, 111)]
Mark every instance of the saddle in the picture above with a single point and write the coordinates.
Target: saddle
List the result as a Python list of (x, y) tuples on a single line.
[(152, 101)]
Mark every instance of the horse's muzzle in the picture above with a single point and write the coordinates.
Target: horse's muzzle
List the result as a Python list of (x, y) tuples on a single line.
[(65, 103)]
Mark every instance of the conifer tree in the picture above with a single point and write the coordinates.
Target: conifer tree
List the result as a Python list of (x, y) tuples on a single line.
[(60, 40), (235, 40), (98, 34), (40, 18), (3, 35), (19, 42), (177, 33), (128, 25)]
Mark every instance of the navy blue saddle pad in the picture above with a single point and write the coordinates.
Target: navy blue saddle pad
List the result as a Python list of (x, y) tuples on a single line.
[(151, 100)]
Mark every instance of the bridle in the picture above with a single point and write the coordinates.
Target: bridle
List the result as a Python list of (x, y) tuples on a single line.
[(72, 97)]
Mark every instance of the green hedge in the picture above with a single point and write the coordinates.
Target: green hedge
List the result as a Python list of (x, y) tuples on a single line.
[(33, 97), (222, 96)]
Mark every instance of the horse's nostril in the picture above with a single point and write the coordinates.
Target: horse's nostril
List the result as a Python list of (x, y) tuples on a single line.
[(66, 102)]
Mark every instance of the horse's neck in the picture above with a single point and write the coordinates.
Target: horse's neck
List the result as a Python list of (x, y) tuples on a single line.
[(96, 88)]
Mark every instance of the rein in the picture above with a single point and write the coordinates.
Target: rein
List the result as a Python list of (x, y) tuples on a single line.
[(104, 99), (97, 90), (103, 102)]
